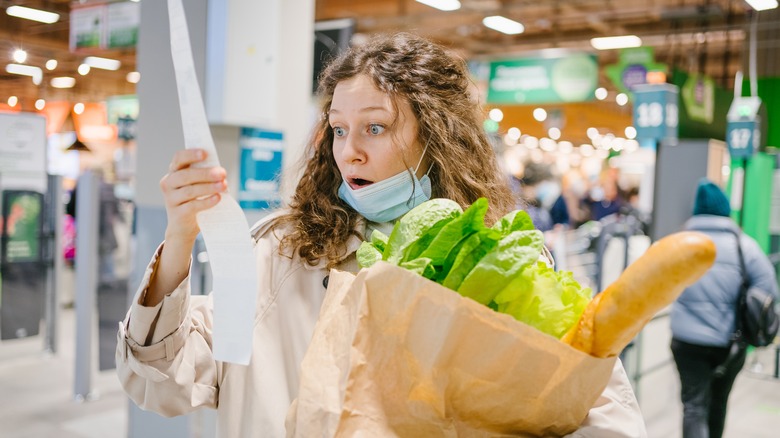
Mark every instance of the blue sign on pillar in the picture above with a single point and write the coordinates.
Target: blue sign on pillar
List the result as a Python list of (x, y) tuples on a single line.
[(260, 168), (656, 111)]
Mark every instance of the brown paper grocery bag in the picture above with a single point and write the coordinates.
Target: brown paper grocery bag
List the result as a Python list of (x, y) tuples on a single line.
[(394, 354)]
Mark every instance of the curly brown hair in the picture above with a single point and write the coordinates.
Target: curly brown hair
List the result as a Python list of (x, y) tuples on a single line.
[(436, 85)]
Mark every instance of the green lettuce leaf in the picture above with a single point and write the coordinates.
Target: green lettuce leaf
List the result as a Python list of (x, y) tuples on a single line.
[(473, 249), (497, 268), (367, 254), (422, 266), (472, 220), (550, 301), (517, 220), (416, 223), (379, 240)]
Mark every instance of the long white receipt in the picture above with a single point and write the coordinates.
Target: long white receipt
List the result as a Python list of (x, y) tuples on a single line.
[(224, 227)]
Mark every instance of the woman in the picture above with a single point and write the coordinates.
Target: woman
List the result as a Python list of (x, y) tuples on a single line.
[(703, 317), (398, 128)]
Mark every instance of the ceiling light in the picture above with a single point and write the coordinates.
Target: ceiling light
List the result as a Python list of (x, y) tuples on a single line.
[(32, 14), (443, 5), (26, 70), (63, 82), (51, 64), (12, 101), (133, 77), (621, 99), (496, 115), (601, 93), (83, 69), (540, 114), (103, 63), (40, 104), (616, 42), (762, 5), (78, 108), (20, 56), (503, 24)]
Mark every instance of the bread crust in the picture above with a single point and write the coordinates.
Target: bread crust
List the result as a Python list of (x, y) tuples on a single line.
[(615, 316)]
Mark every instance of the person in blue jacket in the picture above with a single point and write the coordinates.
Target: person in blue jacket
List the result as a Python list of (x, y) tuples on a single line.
[(703, 317)]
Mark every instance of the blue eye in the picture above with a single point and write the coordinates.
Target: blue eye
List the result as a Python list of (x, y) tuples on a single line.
[(338, 131), (376, 129)]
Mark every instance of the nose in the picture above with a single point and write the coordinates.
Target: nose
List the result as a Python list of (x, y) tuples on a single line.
[(352, 151)]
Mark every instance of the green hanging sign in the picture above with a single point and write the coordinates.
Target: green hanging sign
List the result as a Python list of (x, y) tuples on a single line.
[(570, 78), (698, 96), (632, 68)]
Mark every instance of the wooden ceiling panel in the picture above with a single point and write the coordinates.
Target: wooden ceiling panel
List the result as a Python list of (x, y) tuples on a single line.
[(671, 26)]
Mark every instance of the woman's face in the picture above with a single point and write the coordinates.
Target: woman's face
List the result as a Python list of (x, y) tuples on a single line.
[(369, 144)]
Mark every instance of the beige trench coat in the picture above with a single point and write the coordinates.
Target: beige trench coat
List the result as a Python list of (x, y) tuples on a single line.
[(165, 363)]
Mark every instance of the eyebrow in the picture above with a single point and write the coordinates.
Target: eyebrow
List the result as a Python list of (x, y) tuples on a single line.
[(364, 110)]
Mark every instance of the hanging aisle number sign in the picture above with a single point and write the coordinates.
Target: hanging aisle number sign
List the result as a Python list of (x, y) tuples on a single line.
[(743, 127), (655, 111)]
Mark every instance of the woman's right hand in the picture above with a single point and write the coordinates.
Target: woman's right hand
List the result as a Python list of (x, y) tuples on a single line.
[(189, 190)]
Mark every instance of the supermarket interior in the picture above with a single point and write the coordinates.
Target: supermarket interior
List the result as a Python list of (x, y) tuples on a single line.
[(614, 125)]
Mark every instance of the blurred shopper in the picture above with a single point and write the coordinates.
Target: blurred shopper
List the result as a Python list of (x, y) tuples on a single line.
[(703, 317), (536, 190), (604, 198), (398, 128)]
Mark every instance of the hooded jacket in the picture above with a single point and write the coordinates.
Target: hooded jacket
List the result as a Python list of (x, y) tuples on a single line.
[(175, 373), (705, 313)]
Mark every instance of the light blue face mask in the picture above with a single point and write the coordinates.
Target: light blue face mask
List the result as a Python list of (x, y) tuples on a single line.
[(390, 198)]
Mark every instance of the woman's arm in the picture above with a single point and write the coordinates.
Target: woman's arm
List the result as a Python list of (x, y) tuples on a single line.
[(187, 191), (164, 355)]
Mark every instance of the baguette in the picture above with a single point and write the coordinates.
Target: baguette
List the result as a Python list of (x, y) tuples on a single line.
[(652, 282)]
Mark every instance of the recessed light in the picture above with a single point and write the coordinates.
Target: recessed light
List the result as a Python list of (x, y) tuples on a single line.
[(32, 14)]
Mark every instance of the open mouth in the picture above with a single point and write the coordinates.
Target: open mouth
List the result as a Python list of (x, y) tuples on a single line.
[(359, 183)]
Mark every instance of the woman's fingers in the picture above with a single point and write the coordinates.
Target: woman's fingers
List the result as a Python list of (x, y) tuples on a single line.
[(192, 192), (184, 158), (192, 175)]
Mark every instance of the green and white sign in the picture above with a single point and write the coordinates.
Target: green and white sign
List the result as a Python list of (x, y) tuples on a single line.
[(571, 78), (87, 27), (123, 21), (698, 96), (632, 68)]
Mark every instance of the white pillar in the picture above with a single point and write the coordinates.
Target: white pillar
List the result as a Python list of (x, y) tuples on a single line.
[(159, 124)]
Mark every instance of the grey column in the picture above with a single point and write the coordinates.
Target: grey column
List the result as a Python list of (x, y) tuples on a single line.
[(87, 206), (54, 260)]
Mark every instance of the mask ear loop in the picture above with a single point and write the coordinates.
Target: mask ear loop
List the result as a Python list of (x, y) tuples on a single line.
[(420, 161)]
